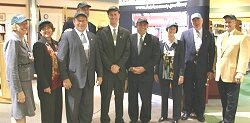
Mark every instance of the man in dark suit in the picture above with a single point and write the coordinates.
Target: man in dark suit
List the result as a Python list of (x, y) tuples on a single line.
[(144, 55), (79, 58), (114, 49), (199, 59), (84, 8)]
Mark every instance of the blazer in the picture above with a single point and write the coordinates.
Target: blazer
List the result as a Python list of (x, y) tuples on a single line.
[(73, 62), (112, 54), (149, 56), (234, 57), (69, 24), (178, 60), (19, 66), (206, 53), (43, 63)]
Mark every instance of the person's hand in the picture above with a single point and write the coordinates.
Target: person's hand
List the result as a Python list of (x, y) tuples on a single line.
[(210, 75), (99, 81), (139, 70), (238, 77), (21, 97), (115, 69), (47, 90), (180, 80), (156, 77), (67, 84)]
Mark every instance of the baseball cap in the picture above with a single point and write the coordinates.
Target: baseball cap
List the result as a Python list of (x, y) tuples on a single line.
[(141, 20), (231, 16), (172, 24), (195, 15), (80, 14), (83, 4), (19, 18), (113, 8)]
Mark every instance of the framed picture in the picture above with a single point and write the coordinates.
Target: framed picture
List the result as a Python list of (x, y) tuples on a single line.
[(2, 17)]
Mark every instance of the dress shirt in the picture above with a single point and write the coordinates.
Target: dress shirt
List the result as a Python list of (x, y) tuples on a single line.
[(197, 39), (112, 32)]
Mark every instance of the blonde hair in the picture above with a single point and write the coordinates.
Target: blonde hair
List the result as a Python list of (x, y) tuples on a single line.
[(14, 27)]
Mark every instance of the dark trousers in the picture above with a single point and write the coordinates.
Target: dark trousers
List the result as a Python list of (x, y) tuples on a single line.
[(107, 86), (194, 91), (51, 106), (177, 96), (144, 88), (229, 93), (79, 104)]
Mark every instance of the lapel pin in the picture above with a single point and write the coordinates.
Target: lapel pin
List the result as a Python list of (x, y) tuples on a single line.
[(145, 44)]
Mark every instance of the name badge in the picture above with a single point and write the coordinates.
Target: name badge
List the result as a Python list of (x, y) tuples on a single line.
[(170, 53)]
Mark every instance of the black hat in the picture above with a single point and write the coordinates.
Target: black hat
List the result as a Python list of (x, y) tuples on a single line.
[(113, 8), (83, 4), (43, 22), (80, 14), (172, 25), (230, 16), (141, 20)]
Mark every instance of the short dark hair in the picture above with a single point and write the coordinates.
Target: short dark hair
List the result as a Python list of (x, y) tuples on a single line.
[(231, 16)]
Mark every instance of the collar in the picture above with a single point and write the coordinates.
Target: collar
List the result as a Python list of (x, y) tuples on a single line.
[(200, 30), (230, 33), (111, 27), (143, 36), (79, 33)]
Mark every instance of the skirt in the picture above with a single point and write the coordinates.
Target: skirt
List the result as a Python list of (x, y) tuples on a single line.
[(20, 110)]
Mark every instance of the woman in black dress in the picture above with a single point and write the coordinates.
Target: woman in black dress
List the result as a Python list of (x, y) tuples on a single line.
[(49, 85)]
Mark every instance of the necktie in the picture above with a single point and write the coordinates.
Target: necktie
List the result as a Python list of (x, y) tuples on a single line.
[(85, 45), (114, 36), (198, 34), (140, 45), (83, 39)]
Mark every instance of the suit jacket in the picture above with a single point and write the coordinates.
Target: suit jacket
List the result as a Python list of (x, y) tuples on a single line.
[(205, 55), (73, 62), (233, 57), (149, 56), (18, 65), (112, 54), (178, 60), (43, 63), (69, 24)]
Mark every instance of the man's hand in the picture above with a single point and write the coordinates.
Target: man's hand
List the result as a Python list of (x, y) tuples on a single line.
[(47, 90), (238, 77), (156, 77), (99, 81), (115, 69), (180, 80), (210, 75), (21, 97), (67, 84), (138, 70)]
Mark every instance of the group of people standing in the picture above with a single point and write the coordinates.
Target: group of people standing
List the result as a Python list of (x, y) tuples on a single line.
[(116, 55)]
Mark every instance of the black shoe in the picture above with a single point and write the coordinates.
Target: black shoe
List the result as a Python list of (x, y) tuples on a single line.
[(185, 116), (162, 119), (201, 118)]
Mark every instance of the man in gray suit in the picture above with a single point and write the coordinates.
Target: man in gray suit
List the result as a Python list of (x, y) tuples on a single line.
[(79, 58), (114, 49)]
